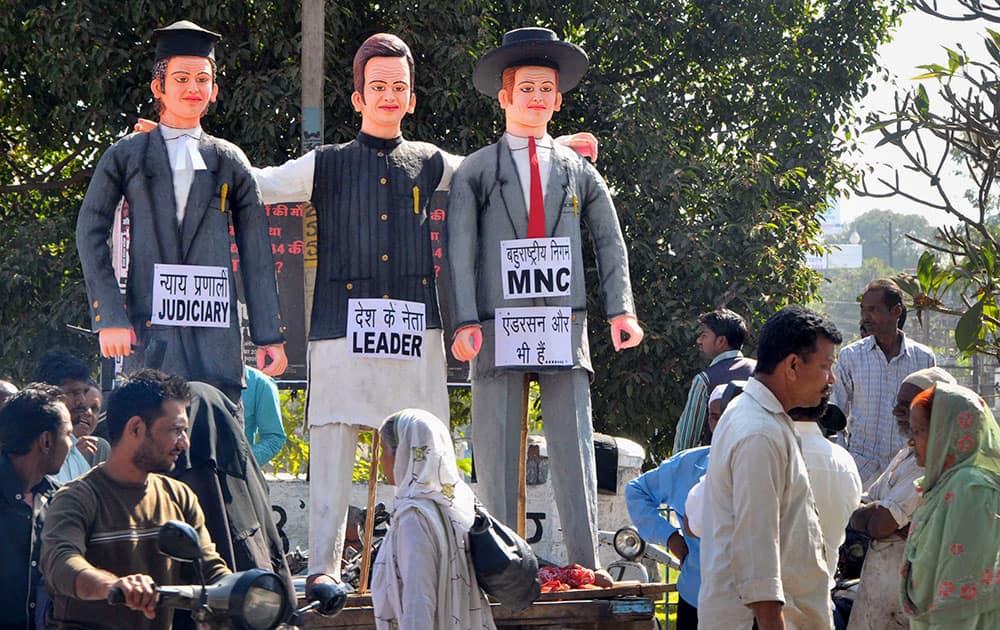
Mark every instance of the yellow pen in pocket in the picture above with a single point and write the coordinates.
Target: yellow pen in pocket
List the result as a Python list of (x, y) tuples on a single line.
[(416, 200), (222, 195), (576, 205)]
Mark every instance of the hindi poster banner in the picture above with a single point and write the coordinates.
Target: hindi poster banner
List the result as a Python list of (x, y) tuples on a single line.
[(386, 329), (536, 267), (533, 336), (288, 246), (191, 295)]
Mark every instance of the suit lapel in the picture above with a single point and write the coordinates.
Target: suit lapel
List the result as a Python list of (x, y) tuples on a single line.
[(555, 191), (160, 185), (202, 191), (511, 192)]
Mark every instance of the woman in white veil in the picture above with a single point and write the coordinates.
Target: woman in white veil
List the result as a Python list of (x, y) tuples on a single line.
[(423, 576)]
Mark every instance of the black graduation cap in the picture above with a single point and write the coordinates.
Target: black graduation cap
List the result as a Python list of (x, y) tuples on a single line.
[(186, 39)]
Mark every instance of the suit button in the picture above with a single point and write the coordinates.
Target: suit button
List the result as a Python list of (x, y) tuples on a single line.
[(385, 297), (96, 303), (97, 318), (381, 154), (424, 282), (384, 217), (349, 286), (385, 257), (383, 181), (149, 324)]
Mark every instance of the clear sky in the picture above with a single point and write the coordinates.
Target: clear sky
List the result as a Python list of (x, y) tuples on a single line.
[(919, 40)]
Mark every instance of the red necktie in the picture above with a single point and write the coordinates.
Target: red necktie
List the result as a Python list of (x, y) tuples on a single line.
[(536, 211)]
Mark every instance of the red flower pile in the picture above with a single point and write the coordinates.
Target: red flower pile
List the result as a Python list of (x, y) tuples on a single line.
[(558, 579)]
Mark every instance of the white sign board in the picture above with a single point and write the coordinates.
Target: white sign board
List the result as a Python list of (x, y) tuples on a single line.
[(191, 295), (533, 336), (386, 329), (841, 256), (536, 267)]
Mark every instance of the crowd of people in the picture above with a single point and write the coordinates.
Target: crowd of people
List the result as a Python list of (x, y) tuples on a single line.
[(763, 502), (761, 507)]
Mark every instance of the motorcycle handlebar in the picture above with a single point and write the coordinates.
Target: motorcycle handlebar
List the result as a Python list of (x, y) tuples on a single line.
[(116, 596), (168, 596)]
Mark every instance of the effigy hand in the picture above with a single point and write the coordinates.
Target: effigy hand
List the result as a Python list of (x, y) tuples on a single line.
[(279, 362), (116, 342), (467, 343), (625, 332), (584, 143)]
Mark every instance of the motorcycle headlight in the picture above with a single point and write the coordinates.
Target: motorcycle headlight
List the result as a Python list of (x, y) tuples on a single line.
[(258, 601), (628, 543)]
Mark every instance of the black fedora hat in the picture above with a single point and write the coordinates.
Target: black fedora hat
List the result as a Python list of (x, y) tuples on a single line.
[(531, 46)]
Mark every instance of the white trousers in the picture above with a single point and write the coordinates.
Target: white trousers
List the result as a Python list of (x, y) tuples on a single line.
[(331, 467)]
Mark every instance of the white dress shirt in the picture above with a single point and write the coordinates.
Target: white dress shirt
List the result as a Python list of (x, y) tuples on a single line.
[(866, 390), (293, 180), (836, 487), (185, 159), (519, 151), (762, 538), (894, 489)]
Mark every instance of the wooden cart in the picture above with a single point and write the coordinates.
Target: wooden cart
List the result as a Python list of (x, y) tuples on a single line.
[(625, 606)]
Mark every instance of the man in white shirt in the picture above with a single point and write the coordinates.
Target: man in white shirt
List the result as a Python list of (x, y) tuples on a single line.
[(763, 556), (869, 373), (833, 475)]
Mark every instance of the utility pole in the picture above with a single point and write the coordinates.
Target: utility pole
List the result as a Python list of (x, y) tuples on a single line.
[(889, 242), (313, 39)]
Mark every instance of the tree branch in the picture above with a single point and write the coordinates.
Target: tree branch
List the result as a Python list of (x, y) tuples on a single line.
[(78, 177)]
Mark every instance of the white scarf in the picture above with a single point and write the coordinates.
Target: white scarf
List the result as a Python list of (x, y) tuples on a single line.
[(428, 482)]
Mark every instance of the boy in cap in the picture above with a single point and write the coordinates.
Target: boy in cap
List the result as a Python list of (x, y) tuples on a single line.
[(514, 218), (185, 191)]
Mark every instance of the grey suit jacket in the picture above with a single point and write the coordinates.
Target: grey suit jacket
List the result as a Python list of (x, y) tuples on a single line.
[(137, 167), (486, 206)]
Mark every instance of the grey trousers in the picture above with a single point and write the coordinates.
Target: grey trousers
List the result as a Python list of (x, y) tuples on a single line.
[(496, 412)]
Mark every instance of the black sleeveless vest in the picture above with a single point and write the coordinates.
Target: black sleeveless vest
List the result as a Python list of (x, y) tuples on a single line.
[(372, 198)]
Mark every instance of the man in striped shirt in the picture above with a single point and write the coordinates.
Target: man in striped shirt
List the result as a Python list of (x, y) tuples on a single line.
[(720, 339), (869, 373)]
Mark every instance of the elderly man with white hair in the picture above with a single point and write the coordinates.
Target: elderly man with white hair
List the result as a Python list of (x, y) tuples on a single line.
[(885, 510)]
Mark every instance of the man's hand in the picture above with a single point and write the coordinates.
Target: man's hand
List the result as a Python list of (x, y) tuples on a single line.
[(144, 125), (140, 593), (768, 615), (87, 444), (468, 341), (628, 325), (279, 362), (874, 520), (116, 342), (678, 546), (583, 143)]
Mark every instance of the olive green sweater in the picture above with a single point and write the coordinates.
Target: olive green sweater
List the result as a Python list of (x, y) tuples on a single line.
[(97, 522)]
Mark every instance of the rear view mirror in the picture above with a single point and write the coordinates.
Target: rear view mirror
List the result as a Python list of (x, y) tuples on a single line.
[(179, 541)]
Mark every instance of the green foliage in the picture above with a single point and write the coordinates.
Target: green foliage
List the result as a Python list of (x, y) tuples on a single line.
[(293, 458), (962, 260), (719, 125)]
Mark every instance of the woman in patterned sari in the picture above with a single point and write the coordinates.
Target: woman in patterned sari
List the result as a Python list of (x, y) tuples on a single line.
[(423, 577), (951, 568)]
